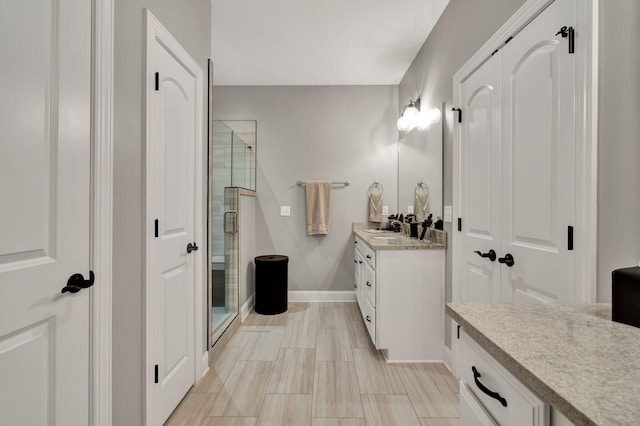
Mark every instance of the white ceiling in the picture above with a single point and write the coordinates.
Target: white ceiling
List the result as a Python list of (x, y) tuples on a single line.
[(321, 42)]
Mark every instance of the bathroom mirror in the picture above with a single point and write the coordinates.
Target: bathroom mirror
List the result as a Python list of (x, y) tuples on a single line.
[(420, 156)]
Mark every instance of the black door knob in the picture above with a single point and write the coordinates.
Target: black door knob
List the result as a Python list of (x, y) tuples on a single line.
[(490, 254), (507, 260), (76, 282), (192, 247)]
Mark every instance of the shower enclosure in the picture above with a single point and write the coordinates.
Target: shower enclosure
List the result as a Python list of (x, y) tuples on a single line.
[(232, 160)]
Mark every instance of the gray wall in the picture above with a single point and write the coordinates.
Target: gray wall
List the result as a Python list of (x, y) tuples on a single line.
[(189, 22), (465, 26), (618, 140), (316, 133)]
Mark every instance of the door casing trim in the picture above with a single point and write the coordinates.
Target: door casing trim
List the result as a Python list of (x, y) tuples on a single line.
[(100, 377)]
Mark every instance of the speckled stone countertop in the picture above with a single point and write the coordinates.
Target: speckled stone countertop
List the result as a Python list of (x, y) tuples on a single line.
[(582, 363), (387, 240)]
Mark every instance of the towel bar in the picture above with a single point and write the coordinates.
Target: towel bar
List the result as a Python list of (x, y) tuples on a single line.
[(345, 183)]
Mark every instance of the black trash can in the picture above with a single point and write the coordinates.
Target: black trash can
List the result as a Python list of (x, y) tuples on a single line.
[(272, 284)]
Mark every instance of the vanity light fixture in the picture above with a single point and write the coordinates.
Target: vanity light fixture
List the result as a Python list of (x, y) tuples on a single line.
[(413, 116)]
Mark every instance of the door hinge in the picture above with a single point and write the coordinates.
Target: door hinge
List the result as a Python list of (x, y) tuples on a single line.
[(459, 114), (460, 224), (571, 34), (156, 373), (570, 238), (157, 81), (458, 332), (155, 226)]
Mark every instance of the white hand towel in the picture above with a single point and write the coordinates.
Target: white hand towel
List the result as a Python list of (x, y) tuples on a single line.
[(421, 208), (375, 208), (318, 207)]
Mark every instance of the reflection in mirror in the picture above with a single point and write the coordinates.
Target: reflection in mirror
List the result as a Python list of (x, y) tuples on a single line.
[(420, 160)]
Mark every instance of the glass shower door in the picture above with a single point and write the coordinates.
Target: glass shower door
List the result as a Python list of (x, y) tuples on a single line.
[(224, 283), (233, 162)]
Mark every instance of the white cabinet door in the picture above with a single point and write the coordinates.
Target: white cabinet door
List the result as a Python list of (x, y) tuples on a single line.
[(480, 184), (175, 168), (45, 136), (538, 159)]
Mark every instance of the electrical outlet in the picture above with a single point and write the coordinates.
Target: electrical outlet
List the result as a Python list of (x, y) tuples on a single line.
[(409, 209), (385, 210), (285, 210), (448, 214)]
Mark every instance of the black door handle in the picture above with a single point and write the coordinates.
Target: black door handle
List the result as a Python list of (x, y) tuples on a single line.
[(490, 254), (192, 247), (507, 260), (76, 282), (485, 389)]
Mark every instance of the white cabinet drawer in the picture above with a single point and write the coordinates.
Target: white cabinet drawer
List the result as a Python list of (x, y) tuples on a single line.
[(369, 283), (503, 397), (369, 255), (369, 315), (472, 413)]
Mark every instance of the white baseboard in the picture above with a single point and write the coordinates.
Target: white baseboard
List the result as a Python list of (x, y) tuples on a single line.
[(246, 308), (322, 296), (204, 364), (449, 361)]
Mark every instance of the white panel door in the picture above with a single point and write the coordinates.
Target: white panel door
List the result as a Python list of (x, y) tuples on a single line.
[(480, 184), (538, 159), (45, 93), (172, 152)]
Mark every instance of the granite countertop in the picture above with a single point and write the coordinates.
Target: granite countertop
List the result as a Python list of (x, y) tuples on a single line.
[(387, 240), (582, 363)]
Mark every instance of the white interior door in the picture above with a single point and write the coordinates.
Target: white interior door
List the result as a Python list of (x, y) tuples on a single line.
[(173, 169), (45, 87), (538, 159), (480, 184)]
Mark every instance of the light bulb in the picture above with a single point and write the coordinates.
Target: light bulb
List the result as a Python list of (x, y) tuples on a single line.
[(411, 114), (434, 115), (427, 118), (403, 124)]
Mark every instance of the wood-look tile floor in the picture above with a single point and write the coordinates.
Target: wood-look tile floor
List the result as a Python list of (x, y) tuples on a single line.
[(315, 365)]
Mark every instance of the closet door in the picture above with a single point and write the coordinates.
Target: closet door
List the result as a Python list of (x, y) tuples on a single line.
[(480, 184), (538, 159)]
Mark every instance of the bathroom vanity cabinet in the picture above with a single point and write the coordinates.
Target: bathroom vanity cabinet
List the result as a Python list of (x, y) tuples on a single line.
[(399, 285)]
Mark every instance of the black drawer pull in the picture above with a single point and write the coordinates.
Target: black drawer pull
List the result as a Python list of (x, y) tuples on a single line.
[(485, 389), (368, 257), (368, 284), (368, 318)]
